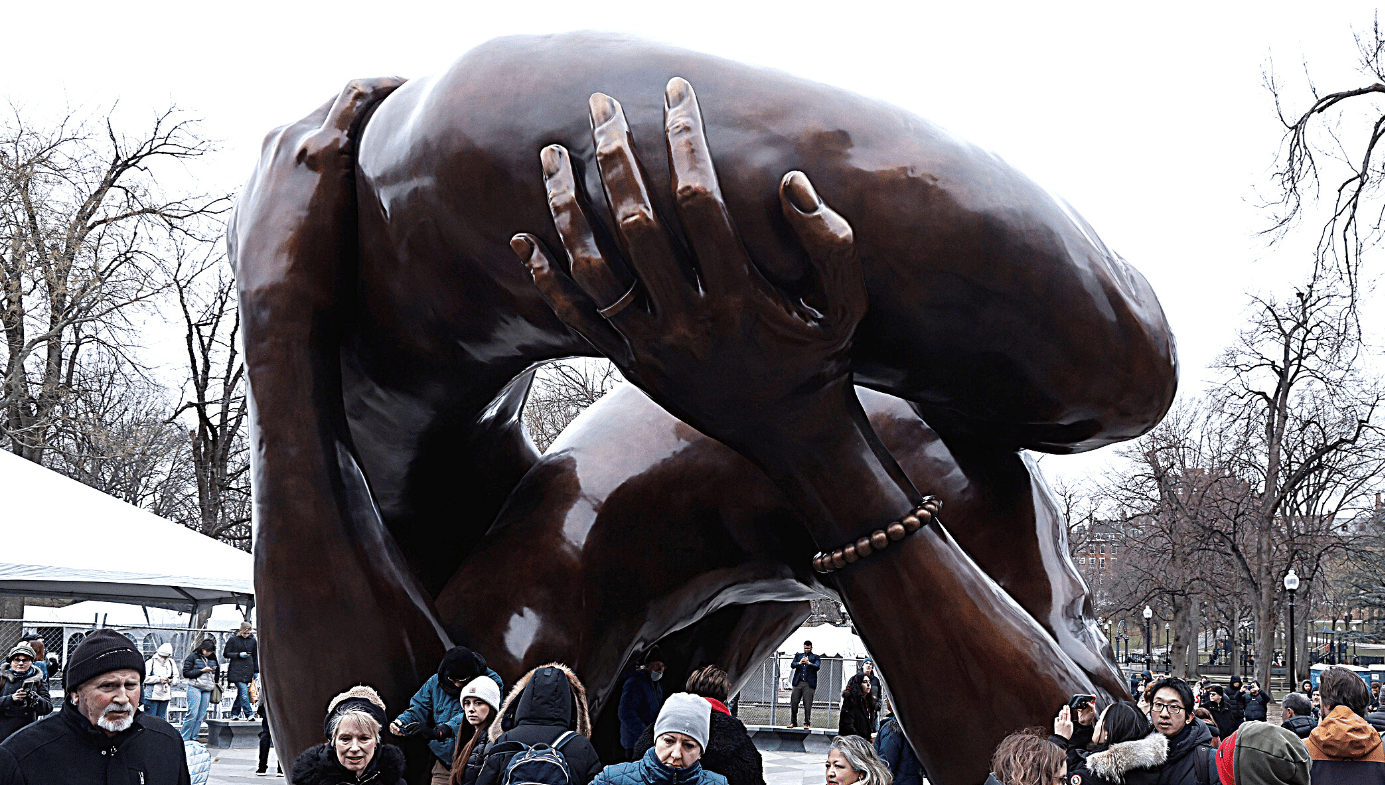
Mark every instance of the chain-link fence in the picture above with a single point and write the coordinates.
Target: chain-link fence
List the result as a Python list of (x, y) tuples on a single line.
[(764, 700), (60, 639)]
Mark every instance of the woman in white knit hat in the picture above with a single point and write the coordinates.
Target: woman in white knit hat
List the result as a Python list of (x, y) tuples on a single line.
[(480, 706), (680, 736)]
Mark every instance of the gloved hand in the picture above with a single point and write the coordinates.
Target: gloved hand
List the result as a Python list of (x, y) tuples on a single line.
[(443, 732), (243, 654)]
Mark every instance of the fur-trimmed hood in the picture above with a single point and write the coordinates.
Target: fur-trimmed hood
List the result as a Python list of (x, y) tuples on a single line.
[(547, 695), (1115, 761)]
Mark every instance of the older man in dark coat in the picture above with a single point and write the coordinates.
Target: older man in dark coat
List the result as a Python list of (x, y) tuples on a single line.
[(99, 736)]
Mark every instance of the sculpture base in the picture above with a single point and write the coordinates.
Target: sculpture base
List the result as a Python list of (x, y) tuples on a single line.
[(227, 734), (771, 738)]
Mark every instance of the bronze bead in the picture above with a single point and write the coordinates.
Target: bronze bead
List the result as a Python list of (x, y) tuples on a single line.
[(924, 516), (937, 504), (863, 548), (838, 561), (911, 524), (879, 539), (817, 564), (896, 531), (849, 553)]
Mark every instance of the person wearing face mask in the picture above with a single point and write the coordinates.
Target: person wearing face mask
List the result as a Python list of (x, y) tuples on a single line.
[(640, 699), (480, 707), (435, 713), (354, 751), (681, 730)]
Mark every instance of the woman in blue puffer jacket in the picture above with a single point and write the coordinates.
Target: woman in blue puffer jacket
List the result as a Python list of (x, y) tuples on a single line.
[(680, 736)]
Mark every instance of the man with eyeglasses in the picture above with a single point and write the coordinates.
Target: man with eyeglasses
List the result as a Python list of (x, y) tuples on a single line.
[(1190, 750)]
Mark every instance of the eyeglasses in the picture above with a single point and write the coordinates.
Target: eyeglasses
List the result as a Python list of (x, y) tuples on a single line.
[(1171, 709)]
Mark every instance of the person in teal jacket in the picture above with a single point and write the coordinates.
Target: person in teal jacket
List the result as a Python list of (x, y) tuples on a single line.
[(680, 735), (435, 713)]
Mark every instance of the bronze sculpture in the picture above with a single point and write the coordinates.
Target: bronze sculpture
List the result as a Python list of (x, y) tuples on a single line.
[(389, 329)]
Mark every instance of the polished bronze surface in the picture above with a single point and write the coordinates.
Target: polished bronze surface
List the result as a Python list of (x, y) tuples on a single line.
[(389, 328)]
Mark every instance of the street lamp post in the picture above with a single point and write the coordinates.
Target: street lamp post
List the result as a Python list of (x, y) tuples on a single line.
[(1149, 645), (1291, 586)]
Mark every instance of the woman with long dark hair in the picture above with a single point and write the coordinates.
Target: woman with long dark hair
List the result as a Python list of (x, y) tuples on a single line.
[(856, 708), (1128, 750), (480, 706)]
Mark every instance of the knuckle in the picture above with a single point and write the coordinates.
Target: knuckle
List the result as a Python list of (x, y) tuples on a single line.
[(638, 219), (680, 124), (693, 191)]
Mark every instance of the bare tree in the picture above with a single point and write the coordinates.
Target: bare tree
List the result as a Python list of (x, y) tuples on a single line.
[(562, 390), (1331, 143), (84, 230), (1306, 419), (215, 399)]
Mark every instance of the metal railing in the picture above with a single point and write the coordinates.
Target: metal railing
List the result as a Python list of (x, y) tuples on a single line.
[(764, 700), (60, 640)]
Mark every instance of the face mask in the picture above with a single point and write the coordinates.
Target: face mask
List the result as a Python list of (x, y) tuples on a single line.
[(655, 675)]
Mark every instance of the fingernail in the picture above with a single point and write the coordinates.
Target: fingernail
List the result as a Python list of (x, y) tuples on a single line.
[(523, 247), (676, 92), (800, 192), (552, 158), (603, 108)]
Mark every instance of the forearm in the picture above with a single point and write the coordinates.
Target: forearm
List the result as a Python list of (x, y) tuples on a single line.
[(828, 461)]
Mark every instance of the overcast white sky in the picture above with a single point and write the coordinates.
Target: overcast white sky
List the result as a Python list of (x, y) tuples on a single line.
[(1149, 118)]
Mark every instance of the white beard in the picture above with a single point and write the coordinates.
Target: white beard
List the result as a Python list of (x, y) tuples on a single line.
[(116, 726)]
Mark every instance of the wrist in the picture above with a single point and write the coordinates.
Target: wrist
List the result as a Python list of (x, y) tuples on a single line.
[(825, 457)]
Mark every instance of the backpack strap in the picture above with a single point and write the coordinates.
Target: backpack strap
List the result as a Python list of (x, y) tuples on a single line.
[(563, 739), (1205, 765)]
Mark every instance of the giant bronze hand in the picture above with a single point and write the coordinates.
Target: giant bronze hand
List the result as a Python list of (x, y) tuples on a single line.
[(768, 379)]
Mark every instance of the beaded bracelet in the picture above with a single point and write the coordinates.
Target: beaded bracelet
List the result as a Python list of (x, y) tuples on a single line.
[(927, 510)]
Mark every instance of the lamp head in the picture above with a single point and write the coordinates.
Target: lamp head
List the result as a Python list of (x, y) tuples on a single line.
[(1291, 581), (1149, 614)]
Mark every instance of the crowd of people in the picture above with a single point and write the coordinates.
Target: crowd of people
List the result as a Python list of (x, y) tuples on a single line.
[(1174, 735), (539, 732)]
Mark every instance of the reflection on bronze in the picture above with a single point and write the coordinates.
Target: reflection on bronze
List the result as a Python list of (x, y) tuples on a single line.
[(389, 330)]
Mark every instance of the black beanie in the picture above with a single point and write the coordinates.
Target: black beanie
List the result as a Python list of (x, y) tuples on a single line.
[(101, 652), (462, 664), (652, 654)]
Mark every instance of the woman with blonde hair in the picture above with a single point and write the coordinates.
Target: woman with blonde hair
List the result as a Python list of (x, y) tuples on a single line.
[(1026, 758), (354, 752), (852, 761)]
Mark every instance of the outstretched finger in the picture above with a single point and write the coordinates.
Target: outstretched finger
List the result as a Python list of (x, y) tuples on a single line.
[(573, 307), (643, 240), (589, 267), (828, 240), (697, 193)]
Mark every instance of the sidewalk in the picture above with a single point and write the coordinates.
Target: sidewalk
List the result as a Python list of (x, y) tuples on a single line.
[(238, 766)]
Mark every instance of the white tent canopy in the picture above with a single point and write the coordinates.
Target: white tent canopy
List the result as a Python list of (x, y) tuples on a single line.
[(99, 548)]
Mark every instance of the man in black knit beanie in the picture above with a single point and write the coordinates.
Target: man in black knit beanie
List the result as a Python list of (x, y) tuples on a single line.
[(99, 735)]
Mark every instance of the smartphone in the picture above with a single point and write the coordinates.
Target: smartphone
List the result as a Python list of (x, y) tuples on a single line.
[(1080, 702)]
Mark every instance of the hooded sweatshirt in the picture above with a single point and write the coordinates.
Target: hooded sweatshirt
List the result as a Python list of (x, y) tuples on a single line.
[(1346, 750), (1262, 754), (162, 672)]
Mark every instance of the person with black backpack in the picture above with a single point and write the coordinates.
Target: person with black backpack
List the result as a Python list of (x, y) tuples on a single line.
[(542, 734)]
